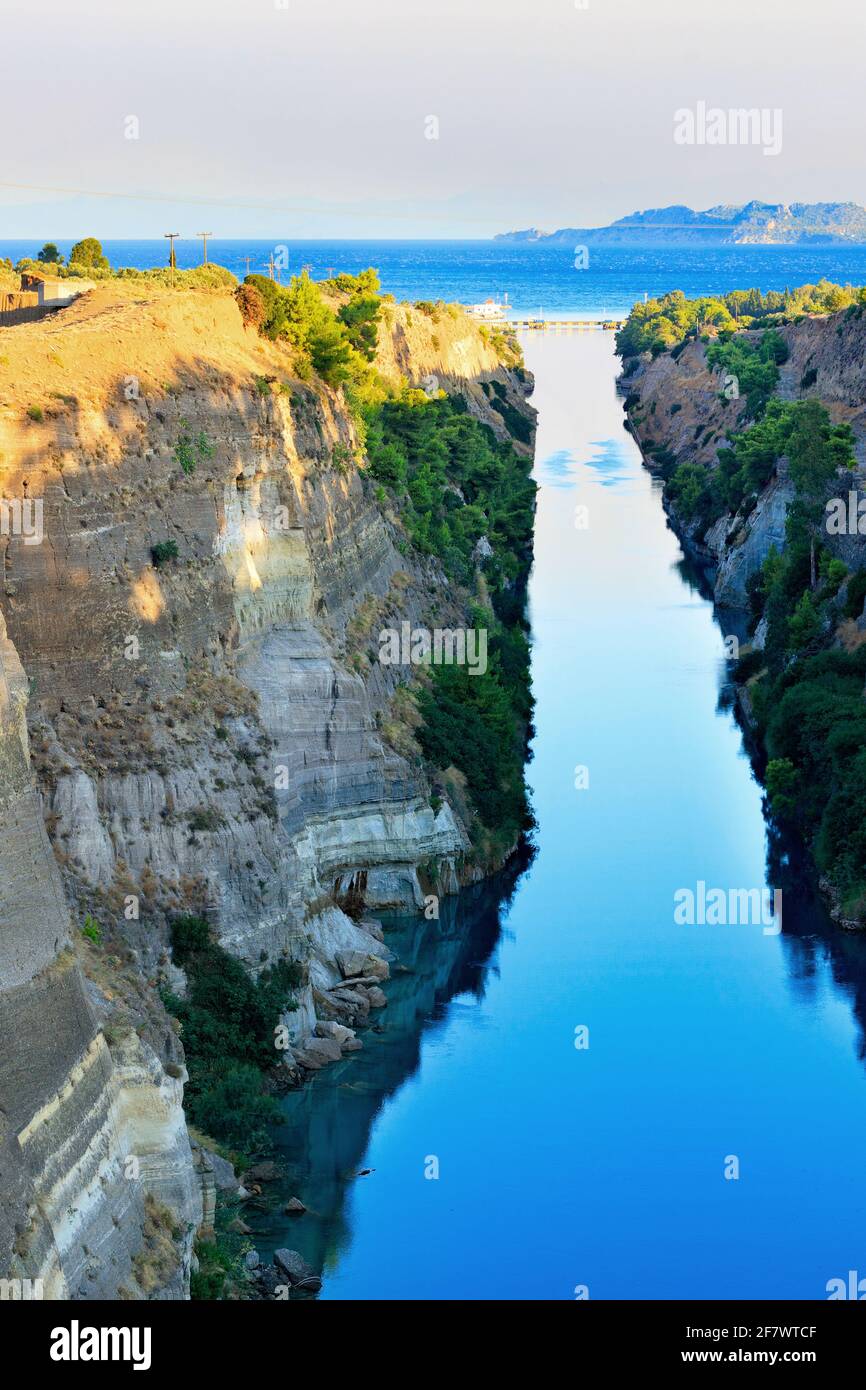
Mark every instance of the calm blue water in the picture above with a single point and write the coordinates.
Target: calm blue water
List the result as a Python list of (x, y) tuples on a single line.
[(534, 278), (602, 1167)]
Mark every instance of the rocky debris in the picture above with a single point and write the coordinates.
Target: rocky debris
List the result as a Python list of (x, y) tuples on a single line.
[(268, 1171), (377, 998), (224, 1177), (240, 1228), (299, 1274), (356, 965), (373, 928), (294, 1207), (330, 1029), (252, 1260), (267, 1279)]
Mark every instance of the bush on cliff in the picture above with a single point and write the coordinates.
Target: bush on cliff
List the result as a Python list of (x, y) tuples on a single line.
[(661, 324), (455, 486), (337, 348), (454, 483), (228, 1034), (752, 364)]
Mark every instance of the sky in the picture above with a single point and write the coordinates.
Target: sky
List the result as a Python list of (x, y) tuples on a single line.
[(412, 118)]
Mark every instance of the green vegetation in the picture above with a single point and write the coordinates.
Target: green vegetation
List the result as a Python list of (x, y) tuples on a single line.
[(664, 323), (808, 698), (806, 690), (340, 345), (228, 1035), (189, 449), (455, 485), (800, 430), (88, 255), (479, 724), (49, 255), (35, 412), (220, 1272), (754, 363), (162, 552), (92, 930)]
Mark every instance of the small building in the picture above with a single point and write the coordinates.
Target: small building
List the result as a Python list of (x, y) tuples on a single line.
[(54, 294), (491, 311)]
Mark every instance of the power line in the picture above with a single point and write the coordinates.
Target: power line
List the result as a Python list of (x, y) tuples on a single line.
[(170, 237)]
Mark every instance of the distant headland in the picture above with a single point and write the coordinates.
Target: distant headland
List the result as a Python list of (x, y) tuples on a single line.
[(768, 224)]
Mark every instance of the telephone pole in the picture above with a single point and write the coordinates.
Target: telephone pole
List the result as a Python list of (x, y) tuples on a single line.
[(204, 236), (247, 259), (330, 270), (172, 263), (271, 266)]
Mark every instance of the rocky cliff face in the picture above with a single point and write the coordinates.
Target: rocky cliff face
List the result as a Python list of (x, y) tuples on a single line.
[(207, 733), (94, 1153), (677, 403)]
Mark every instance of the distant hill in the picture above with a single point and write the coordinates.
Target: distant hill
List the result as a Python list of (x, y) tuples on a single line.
[(768, 224)]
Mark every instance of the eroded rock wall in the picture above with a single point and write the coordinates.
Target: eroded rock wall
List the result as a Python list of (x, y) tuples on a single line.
[(208, 734)]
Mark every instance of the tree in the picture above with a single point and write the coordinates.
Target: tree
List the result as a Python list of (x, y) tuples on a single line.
[(816, 451), (252, 306), (88, 254), (361, 319), (50, 255), (804, 623), (782, 780)]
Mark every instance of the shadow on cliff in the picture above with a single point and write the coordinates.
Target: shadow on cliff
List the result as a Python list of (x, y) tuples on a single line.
[(811, 940), (330, 1119)]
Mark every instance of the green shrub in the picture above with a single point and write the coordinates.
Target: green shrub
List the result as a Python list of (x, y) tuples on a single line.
[(92, 930), (856, 594), (162, 552), (228, 1035)]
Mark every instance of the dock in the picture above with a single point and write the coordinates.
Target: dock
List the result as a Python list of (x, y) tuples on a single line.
[(563, 325)]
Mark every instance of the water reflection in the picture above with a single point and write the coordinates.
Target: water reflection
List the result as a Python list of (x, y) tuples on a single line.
[(328, 1122)]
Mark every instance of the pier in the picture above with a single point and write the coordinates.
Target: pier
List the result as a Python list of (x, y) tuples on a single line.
[(540, 325)]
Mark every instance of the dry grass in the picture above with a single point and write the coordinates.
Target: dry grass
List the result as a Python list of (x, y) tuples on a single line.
[(400, 723), (158, 1259)]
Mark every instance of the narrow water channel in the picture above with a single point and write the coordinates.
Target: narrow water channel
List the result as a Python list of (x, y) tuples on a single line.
[(602, 1166)]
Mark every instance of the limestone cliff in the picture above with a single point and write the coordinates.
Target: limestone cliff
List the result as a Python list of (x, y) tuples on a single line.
[(207, 734), (93, 1148), (676, 404)]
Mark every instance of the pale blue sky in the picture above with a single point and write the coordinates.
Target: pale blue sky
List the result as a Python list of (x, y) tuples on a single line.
[(309, 120)]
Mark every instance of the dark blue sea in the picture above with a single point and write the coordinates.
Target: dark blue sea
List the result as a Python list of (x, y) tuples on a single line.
[(535, 278)]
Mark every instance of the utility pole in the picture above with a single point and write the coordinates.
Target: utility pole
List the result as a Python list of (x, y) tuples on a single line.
[(271, 266), (172, 263), (247, 259), (204, 236), (330, 270)]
